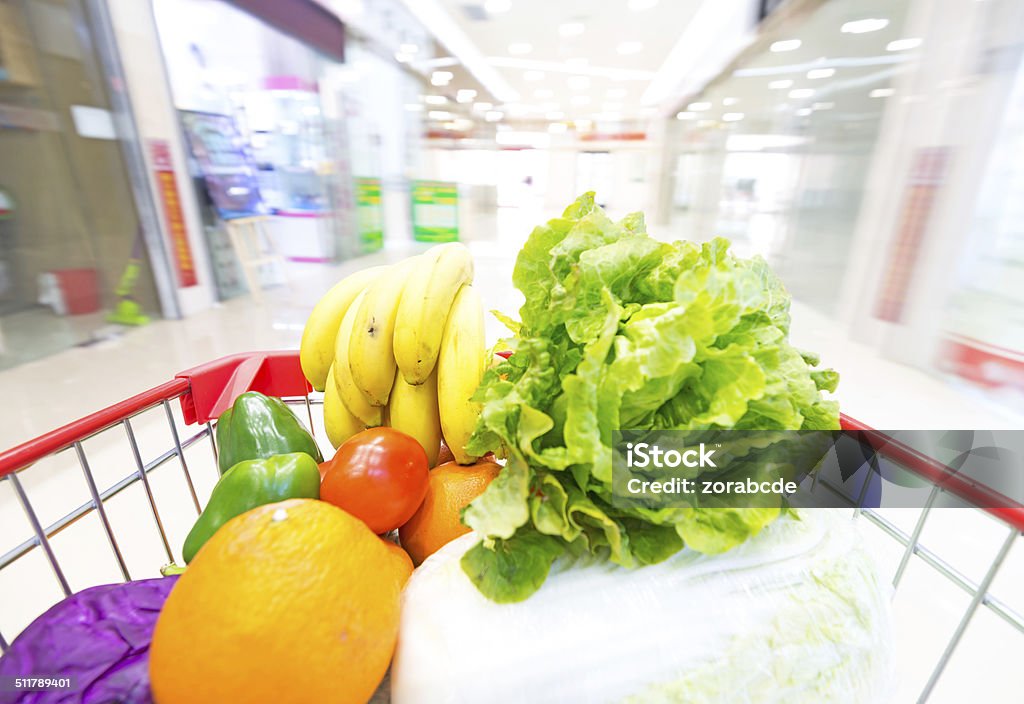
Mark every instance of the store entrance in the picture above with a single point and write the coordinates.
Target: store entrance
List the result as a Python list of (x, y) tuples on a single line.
[(68, 223)]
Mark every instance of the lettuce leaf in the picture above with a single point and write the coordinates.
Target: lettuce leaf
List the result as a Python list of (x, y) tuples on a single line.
[(623, 331)]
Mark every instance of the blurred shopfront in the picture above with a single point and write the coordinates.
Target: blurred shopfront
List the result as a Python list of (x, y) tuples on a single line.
[(79, 238)]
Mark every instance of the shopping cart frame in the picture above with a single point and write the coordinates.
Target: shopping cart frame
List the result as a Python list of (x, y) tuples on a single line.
[(204, 392)]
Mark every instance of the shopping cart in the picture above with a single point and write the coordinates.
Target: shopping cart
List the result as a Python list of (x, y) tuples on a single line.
[(206, 391)]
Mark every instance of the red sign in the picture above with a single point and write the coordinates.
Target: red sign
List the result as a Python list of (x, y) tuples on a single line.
[(163, 169)]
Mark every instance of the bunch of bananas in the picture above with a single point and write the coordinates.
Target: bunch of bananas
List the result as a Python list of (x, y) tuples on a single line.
[(401, 346)]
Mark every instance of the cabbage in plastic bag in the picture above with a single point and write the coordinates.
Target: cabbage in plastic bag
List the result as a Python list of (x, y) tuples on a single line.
[(797, 614)]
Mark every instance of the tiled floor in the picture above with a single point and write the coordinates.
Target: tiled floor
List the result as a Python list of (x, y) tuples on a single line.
[(48, 392)]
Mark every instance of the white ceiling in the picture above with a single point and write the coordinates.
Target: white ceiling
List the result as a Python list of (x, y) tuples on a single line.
[(584, 75)]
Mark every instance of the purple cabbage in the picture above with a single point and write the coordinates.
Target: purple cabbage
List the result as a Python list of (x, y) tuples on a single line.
[(99, 637)]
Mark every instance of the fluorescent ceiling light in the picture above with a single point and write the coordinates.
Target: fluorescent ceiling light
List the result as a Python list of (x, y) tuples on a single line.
[(626, 48), (781, 84), (903, 44), (494, 7), (821, 73), (465, 95), (823, 106), (871, 24), (801, 93), (732, 117), (616, 93), (533, 75), (402, 58), (785, 45), (697, 107), (435, 99), (543, 93), (579, 82), (571, 29), (803, 112), (580, 100), (881, 92), (441, 78), (729, 101), (686, 115), (440, 115), (520, 48), (640, 5), (482, 107), (493, 115)]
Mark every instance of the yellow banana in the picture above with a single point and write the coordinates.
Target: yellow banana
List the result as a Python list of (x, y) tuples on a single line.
[(316, 351), (370, 350), (346, 388), (425, 303), (338, 420), (460, 366), (413, 410)]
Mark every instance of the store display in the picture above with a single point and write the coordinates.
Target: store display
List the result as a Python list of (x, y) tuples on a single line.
[(435, 211), (369, 217), (226, 163)]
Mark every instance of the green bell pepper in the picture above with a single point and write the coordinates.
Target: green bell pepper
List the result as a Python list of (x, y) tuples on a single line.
[(259, 426), (250, 484)]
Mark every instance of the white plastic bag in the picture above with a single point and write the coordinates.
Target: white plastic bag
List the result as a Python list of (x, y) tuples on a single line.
[(797, 614)]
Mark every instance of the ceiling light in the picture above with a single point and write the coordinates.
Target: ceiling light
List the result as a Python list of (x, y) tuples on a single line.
[(821, 73), (543, 93), (579, 100), (823, 106), (440, 115), (903, 44), (402, 58), (441, 78), (558, 127), (697, 107), (408, 48), (730, 101), (465, 95), (555, 115), (577, 62), (571, 29), (494, 7), (872, 24), (533, 75), (493, 115), (413, 107), (732, 117), (686, 115), (520, 48), (482, 107), (435, 99), (626, 48), (639, 5), (881, 92), (780, 85), (803, 112), (616, 92), (579, 82), (801, 93), (785, 45)]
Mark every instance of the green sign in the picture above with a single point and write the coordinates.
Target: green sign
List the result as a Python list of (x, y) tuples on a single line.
[(435, 211), (369, 223)]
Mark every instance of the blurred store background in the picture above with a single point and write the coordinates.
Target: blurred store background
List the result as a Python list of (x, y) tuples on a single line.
[(161, 159)]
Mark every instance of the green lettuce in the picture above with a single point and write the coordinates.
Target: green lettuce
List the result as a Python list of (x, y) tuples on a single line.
[(623, 331)]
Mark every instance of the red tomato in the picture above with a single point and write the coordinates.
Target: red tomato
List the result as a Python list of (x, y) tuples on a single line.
[(379, 476)]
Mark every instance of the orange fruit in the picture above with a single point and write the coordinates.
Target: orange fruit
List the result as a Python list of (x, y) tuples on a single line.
[(436, 523), (291, 602)]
